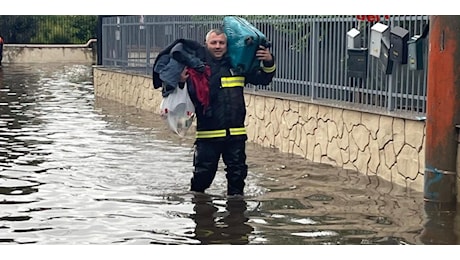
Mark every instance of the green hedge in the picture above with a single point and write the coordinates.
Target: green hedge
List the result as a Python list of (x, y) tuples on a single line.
[(48, 29)]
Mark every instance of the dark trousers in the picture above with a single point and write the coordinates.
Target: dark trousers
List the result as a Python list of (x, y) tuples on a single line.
[(206, 159)]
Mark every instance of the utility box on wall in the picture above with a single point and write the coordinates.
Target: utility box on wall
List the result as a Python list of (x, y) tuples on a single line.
[(387, 63), (398, 44), (415, 52), (379, 33), (353, 39), (357, 62)]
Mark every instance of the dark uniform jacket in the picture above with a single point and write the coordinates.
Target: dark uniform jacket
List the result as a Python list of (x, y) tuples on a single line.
[(225, 114)]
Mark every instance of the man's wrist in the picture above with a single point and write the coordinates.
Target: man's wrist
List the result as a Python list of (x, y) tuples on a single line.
[(268, 63)]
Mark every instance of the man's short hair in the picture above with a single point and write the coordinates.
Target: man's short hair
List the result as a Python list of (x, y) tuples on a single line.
[(216, 31)]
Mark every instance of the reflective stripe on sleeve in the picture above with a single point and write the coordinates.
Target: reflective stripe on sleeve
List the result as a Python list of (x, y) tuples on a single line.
[(269, 69)]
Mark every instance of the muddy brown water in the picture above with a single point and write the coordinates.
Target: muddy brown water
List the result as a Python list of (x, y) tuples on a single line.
[(75, 169)]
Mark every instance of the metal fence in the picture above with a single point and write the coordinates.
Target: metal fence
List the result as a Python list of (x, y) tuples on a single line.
[(311, 56)]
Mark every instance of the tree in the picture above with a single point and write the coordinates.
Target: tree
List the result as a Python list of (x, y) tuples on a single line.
[(48, 29)]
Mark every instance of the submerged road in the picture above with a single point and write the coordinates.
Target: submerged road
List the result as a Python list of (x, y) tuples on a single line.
[(75, 169)]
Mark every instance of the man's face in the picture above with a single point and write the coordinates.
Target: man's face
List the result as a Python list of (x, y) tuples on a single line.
[(217, 45)]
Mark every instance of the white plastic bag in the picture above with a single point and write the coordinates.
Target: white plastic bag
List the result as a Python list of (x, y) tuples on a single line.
[(178, 111)]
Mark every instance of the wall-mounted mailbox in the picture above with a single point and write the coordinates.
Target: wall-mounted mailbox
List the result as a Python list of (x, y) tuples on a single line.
[(379, 33), (387, 63), (357, 62), (353, 39), (398, 44), (415, 53)]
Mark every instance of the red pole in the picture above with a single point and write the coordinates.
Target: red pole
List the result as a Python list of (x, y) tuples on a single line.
[(443, 109)]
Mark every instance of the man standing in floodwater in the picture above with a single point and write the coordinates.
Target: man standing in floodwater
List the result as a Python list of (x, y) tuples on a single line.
[(220, 129), (216, 90)]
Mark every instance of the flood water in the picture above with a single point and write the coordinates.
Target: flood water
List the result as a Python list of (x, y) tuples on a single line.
[(80, 170)]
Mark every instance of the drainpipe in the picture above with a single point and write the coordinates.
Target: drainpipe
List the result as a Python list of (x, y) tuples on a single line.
[(99, 39), (443, 110)]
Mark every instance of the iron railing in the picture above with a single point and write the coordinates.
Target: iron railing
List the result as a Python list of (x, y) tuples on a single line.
[(311, 56)]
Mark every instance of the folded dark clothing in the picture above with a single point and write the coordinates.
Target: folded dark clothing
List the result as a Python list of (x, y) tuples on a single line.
[(171, 61), (169, 72)]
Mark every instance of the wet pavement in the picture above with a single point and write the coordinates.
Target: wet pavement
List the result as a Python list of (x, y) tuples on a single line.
[(75, 169)]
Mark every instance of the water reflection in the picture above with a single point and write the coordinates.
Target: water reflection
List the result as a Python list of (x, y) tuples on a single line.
[(15, 100), (442, 225), (216, 226)]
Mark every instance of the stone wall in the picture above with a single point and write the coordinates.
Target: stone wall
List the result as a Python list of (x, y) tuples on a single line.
[(372, 144), (391, 148)]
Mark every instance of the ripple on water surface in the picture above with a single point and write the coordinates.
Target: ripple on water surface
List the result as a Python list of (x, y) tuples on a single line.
[(76, 169)]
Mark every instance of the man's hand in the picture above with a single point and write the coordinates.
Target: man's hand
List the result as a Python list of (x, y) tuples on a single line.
[(184, 75), (264, 54)]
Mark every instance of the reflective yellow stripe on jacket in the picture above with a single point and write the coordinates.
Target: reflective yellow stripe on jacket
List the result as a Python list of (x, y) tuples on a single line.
[(230, 82), (269, 69), (220, 133)]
